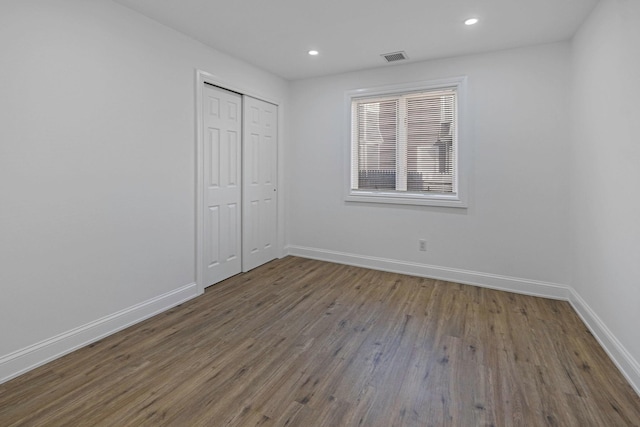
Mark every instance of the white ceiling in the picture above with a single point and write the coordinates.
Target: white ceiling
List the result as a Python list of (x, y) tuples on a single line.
[(352, 34)]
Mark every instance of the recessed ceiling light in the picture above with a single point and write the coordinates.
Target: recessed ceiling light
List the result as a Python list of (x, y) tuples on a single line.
[(313, 52), (471, 21)]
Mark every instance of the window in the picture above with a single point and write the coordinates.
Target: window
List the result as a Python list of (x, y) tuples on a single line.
[(406, 144)]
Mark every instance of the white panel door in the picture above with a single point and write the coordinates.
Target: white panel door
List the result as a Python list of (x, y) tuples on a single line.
[(260, 159), (222, 237)]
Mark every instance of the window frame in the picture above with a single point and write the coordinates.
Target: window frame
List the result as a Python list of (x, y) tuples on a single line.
[(461, 163)]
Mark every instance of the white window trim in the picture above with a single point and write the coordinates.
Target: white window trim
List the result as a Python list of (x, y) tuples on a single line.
[(458, 199)]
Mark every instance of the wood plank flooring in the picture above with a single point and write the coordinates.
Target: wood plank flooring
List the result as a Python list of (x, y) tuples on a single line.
[(299, 342)]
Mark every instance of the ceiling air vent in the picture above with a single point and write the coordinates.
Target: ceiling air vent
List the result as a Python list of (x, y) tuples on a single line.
[(395, 56)]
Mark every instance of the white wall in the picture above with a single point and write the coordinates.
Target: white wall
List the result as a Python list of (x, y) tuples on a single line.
[(606, 172), (516, 224), (97, 162)]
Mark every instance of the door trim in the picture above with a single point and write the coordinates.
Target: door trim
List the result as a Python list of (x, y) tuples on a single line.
[(203, 77)]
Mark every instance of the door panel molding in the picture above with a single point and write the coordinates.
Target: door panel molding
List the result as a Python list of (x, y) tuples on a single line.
[(202, 78), (259, 188), (222, 197)]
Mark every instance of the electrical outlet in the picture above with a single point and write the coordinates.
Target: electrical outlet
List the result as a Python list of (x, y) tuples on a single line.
[(422, 245)]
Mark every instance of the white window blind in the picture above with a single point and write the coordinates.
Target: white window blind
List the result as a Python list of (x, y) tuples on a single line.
[(405, 143)]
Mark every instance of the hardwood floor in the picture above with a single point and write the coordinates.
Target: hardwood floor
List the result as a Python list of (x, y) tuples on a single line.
[(299, 342)]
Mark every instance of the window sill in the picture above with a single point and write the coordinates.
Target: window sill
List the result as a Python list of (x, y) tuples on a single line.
[(452, 201)]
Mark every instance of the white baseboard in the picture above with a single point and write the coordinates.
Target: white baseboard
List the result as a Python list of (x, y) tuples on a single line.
[(486, 280), (625, 362), (628, 366), (26, 359), (21, 361)]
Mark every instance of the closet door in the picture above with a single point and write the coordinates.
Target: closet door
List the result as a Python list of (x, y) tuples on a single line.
[(222, 155), (260, 160)]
